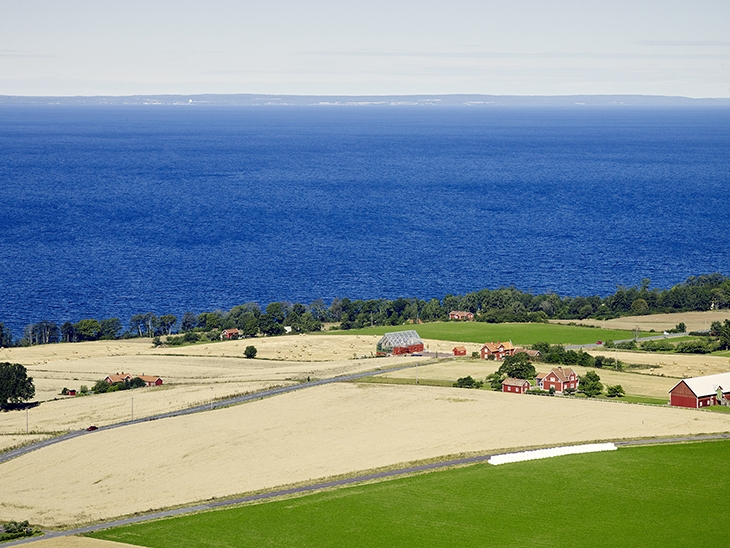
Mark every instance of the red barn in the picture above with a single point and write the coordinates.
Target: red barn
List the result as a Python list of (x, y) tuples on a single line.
[(698, 392), (459, 351), (515, 386), (499, 350), (559, 379), (400, 342), (461, 315)]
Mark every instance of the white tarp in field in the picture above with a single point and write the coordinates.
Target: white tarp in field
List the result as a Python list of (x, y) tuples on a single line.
[(551, 452)]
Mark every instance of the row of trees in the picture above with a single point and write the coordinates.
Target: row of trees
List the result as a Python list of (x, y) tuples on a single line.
[(704, 292)]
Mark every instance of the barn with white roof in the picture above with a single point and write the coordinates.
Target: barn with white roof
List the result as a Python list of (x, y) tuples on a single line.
[(700, 392)]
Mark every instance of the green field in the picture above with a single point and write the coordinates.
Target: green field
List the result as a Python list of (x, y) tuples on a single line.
[(671, 495), (518, 333)]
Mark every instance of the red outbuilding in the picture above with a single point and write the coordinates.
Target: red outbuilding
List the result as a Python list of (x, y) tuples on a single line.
[(698, 392), (515, 386), (228, 334), (459, 351), (400, 342)]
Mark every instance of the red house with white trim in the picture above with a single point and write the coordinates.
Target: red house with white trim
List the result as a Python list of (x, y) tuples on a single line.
[(228, 334), (515, 386), (461, 315), (559, 379), (497, 349), (698, 392)]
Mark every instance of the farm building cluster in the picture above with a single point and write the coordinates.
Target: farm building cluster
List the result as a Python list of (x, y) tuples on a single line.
[(150, 380), (558, 379)]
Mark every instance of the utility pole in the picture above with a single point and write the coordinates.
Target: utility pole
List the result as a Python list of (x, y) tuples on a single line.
[(26, 421)]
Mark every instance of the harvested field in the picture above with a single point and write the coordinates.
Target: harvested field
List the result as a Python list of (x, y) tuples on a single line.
[(302, 436), (78, 542), (193, 375), (633, 384), (11, 441), (670, 365), (695, 321)]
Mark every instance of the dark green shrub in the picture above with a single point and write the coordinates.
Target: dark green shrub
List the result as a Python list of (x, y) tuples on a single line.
[(615, 391), (468, 382), (250, 352)]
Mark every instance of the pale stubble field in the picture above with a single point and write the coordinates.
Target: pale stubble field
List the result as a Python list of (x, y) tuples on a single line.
[(298, 437)]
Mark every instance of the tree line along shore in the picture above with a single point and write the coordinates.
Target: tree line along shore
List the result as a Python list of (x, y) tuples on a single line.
[(506, 304)]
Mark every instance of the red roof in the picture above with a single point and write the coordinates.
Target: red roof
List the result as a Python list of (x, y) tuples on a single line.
[(495, 347)]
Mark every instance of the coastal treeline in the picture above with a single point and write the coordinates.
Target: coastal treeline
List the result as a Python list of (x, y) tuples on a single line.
[(506, 304)]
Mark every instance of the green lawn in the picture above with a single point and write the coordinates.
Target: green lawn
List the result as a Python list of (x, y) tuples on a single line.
[(518, 333), (671, 495)]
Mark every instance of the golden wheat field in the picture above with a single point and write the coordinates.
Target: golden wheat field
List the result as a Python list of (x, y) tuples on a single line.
[(311, 434), (694, 321), (79, 542), (302, 436), (193, 375)]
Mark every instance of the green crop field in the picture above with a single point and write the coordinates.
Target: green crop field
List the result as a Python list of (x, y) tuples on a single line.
[(671, 495), (518, 333)]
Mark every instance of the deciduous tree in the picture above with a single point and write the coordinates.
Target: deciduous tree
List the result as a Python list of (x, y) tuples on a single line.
[(15, 384)]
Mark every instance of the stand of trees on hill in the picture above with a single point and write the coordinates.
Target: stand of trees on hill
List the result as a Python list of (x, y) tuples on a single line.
[(705, 292)]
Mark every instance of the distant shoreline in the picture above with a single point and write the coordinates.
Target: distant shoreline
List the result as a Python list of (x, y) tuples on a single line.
[(426, 100)]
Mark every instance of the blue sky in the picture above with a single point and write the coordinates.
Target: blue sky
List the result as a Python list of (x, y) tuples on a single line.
[(104, 47)]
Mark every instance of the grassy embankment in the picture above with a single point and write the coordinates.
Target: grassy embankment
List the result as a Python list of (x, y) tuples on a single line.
[(641, 496), (518, 333)]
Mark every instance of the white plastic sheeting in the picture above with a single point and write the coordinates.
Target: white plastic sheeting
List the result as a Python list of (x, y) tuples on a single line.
[(551, 452)]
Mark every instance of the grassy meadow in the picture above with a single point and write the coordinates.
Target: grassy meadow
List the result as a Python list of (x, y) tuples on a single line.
[(518, 333), (669, 495)]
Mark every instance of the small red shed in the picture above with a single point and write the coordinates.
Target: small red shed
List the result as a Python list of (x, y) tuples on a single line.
[(459, 351), (515, 386), (228, 334)]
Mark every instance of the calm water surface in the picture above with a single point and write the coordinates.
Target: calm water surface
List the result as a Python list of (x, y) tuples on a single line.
[(112, 211)]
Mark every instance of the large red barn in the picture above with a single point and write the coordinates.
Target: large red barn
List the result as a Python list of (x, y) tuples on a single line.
[(400, 342), (698, 392)]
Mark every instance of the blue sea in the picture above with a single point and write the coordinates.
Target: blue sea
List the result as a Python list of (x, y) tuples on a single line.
[(109, 211)]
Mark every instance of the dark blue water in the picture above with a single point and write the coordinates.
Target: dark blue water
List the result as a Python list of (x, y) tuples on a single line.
[(112, 211)]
